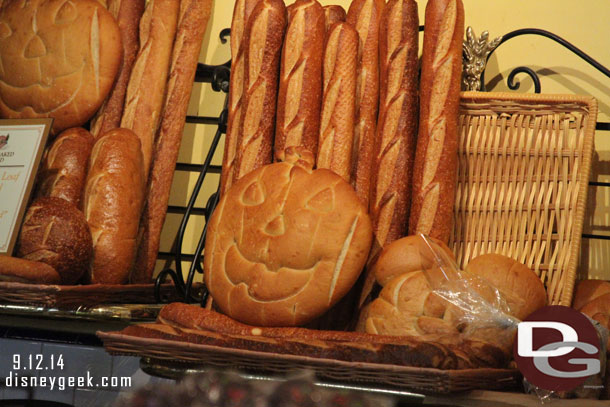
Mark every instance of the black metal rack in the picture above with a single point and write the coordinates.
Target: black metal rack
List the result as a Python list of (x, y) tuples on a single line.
[(218, 77)]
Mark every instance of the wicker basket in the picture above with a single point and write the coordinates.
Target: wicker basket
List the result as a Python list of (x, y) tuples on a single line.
[(524, 165)]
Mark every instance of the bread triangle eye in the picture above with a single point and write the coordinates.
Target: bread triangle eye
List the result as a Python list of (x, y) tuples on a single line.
[(253, 195), (35, 48), (5, 31), (66, 14), (323, 201)]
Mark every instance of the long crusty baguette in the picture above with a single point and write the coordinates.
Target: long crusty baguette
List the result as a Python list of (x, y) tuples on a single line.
[(435, 171), (148, 80), (299, 98), (194, 16), (333, 14), (13, 269), (364, 15), (64, 167), (241, 13), (339, 102), (431, 351), (262, 47), (396, 128), (397, 124), (113, 199), (128, 14)]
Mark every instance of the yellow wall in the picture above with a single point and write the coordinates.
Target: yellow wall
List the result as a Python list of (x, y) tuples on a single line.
[(586, 24)]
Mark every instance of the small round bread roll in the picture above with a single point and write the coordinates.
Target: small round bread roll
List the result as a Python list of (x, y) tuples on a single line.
[(520, 286), (285, 243), (56, 233), (15, 270), (410, 253), (59, 59), (588, 290)]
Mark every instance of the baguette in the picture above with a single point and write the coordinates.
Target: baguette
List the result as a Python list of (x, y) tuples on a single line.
[(299, 98), (396, 129), (339, 102), (430, 351), (13, 269), (147, 83), (194, 16), (113, 199), (364, 15), (262, 47), (241, 14), (435, 170), (333, 14), (64, 167), (128, 14)]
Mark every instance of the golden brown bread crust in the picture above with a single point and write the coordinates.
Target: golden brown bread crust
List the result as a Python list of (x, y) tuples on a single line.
[(127, 14), (333, 14), (148, 80), (241, 13), (339, 101), (599, 310), (194, 16), (56, 233), (285, 243), (588, 290), (521, 287), (60, 60), (435, 170), (198, 325), (299, 98), (262, 48), (397, 125), (364, 15), (64, 166), (113, 200), (17, 270)]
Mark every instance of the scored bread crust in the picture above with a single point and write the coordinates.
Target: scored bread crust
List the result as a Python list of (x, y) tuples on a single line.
[(59, 59), (333, 14), (241, 14), (435, 170), (300, 89), (364, 15), (64, 166), (285, 243), (148, 80), (339, 101), (194, 16), (127, 14), (114, 194), (262, 44)]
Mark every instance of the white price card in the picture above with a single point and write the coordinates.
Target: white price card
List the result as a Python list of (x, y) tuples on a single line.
[(21, 146)]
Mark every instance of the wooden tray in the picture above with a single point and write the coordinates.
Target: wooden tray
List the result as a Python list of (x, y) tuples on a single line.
[(432, 381), (74, 296)]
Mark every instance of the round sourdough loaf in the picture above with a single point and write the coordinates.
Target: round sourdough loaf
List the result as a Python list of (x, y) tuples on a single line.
[(58, 58), (56, 233), (285, 243)]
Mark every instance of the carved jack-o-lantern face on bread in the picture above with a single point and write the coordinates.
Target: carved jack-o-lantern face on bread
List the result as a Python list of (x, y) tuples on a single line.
[(285, 243), (58, 58)]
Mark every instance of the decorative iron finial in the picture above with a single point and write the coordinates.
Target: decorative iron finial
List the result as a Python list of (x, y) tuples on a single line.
[(476, 51)]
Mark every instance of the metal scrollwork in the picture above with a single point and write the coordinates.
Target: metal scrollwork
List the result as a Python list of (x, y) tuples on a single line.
[(476, 51)]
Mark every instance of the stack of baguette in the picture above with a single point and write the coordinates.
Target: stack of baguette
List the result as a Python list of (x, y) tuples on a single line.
[(348, 90), (120, 176)]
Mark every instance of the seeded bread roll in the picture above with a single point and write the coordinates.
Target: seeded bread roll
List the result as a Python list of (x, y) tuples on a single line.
[(127, 13), (241, 14), (148, 80), (64, 167), (435, 169), (339, 100), (114, 194), (194, 15), (364, 15), (262, 44), (299, 99)]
